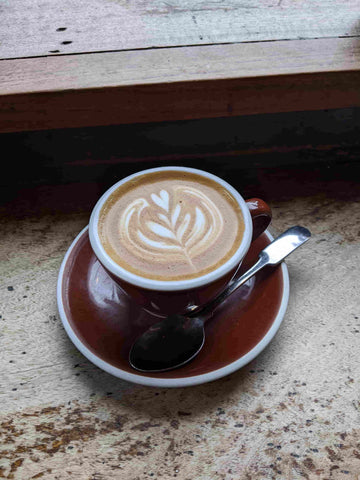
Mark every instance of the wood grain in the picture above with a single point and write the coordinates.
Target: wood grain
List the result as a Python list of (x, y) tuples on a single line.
[(179, 101), (108, 62), (170, 65), (45, 27), (184, 83)]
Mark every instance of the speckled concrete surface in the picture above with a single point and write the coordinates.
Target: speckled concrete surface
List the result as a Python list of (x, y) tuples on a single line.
[(292, 413)]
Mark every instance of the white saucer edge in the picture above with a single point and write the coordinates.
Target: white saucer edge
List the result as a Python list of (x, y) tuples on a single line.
[(171, 382)]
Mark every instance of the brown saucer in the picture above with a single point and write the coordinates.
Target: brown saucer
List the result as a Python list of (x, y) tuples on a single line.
[(103, 322)]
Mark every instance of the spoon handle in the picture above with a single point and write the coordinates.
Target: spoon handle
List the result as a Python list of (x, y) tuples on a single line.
[(210, 307), (273, 254)]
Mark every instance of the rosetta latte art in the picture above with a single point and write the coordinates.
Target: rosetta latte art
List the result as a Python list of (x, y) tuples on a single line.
[(171, 225)]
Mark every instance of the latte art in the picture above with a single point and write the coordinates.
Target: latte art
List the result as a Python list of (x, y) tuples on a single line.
[(182, 223), (170, 225)]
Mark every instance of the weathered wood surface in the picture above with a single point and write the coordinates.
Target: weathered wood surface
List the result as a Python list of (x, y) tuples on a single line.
[(39, 28), (292, 413), (174, 101), (110, 62), (179, 65)]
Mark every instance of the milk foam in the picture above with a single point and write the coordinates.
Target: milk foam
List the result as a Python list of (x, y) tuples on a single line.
[(181, 221), (171, 228)]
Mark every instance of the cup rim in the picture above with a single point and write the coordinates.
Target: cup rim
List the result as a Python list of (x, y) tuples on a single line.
[(169, 285)]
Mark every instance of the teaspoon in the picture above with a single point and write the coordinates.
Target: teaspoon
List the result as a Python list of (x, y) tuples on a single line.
[(178, 338)]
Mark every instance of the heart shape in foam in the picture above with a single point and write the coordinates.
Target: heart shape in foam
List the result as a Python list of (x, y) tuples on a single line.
[(162, 201)]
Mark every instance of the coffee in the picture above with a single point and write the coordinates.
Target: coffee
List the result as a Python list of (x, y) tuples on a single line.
[(170, 225)]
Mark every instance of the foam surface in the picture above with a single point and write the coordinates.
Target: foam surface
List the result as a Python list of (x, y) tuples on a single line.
[(171, 225)]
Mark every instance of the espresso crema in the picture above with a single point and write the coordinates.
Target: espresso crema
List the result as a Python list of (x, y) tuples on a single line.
[(170, 225)]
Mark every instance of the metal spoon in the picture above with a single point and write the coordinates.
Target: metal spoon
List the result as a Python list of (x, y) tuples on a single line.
[(178, 339)]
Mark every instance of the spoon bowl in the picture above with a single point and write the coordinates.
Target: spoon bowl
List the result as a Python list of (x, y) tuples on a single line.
[(174, 341)]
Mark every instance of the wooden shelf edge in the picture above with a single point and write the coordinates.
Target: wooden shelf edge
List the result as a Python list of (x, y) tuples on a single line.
[(178, 84)]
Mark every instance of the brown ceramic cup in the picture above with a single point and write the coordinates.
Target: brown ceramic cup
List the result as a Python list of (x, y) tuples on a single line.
[(162, 297)]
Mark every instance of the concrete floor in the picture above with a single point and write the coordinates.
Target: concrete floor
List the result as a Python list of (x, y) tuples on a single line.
[(292, 413)]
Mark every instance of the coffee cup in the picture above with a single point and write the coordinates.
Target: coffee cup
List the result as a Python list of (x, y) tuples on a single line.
[(173, 237)]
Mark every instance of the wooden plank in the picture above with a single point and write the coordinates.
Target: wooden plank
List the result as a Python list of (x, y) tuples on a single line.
[(46, 27), (175, 84), (168, 102), (114, 69)]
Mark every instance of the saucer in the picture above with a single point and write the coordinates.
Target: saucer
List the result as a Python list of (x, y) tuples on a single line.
[(103, 322)]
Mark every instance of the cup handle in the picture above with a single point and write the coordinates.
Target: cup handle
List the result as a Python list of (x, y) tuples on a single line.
[(261, 216)]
